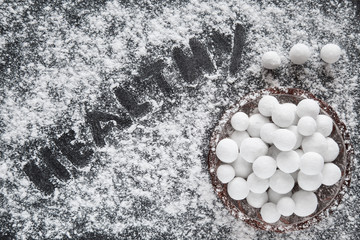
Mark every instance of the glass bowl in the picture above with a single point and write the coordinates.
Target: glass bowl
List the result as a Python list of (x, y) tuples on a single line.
[(328, 196)]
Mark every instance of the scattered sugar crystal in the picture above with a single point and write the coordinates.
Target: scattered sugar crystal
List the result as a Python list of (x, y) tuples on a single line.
[(256, 200), (266, 132), (256, 184), (274, 197), (271, 60), (299, 53), (256, 121), (264, 167), (239, 136), (311, 163), (238, 188), (309, 182), (281, 182), (240, 121), (227, 150), (225, 173), (284, 139), (308, 107), (283, 115), (331, 174), (242, 168), (324, 125), (306, 126), (288, 162), (267, 104), (305, 203), (252, 148), (330, 53), (332, 150), (315, 143), (269, 213), (286, 206), (299, 137)]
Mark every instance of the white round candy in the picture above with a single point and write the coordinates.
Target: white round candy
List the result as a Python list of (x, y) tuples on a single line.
[(242, 168), (281, 182), (283, 115), (225, 173), (256, 200), (299, 53), (273, 152), (305, 203), (238, 188), (264, 167), (308, 107), (293, 107), (311, 163), (240, 121), (324, 125), (331, 174), (271, 60), (284, 139), (256, 184), (306, 126), (256, 121), (269, 213), (252, 148), (330, 53), (288, 162), (300, 152), (286, 206), (267, 104), (315, 143), (227, 150), (332, 150), (266, 132), (274, 197), (239, 136), (309, 182), (299, 137)]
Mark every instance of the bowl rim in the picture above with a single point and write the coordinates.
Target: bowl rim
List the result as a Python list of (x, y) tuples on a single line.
[(235, 210)]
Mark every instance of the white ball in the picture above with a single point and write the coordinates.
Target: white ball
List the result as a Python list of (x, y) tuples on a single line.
[(332, 150), (299, 53), (283, 115), (306, 126), (324, 125), (273, 152), (266, 132), (293, 107), (274, 197), (299, 137), (309, 182), (269, 213), (256, 184), (331, 174), (242, 168), (315, 143), (271, 60), (286, 206), (256, 121), (225, 173), (305, 203), (311, 163), (227, 150), (288, 162), (240, 121), (281, 182), (284, 139), (238, 188), (264, 167), (267, 104), (308, 107), (239, 136), (252, 148), (256, 200), (330, 53)]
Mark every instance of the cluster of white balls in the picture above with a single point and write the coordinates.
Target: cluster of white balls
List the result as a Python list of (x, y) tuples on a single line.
[(300, 53), (271, 150)]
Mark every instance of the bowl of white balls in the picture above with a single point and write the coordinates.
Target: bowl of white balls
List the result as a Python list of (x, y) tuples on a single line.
[(280, 159)]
